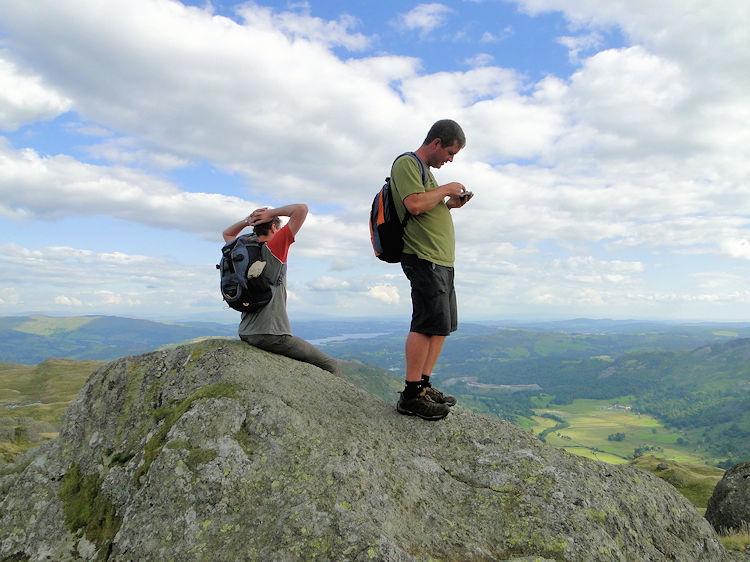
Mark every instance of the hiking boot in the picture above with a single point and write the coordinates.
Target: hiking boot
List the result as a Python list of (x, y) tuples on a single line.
[(436, 396), (422, 406)]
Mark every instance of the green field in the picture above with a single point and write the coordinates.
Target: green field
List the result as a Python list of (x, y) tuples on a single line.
[(33, 399), (591, 422), (47, 326)]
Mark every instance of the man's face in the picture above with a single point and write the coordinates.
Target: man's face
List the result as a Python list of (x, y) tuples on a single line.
[(441, 155)]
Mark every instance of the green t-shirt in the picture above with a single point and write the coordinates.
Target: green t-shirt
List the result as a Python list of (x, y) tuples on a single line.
[(429, 235)]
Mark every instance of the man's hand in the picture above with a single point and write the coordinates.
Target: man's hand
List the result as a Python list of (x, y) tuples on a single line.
[(459, 198), (297, 212), (259, 216), (453, 189)]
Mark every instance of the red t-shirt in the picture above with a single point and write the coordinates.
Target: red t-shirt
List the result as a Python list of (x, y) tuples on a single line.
[(280, 243)]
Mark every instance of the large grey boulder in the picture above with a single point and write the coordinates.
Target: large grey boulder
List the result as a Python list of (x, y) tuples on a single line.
[(729, 505), (219, 451)]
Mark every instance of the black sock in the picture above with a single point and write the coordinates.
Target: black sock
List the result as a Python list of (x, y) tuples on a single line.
[(411, 389), (426, 381)]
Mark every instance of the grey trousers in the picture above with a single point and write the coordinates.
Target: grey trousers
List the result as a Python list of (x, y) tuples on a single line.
[(294, 347)]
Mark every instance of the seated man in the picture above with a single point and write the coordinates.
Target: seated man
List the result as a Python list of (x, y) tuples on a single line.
[(269, 327)]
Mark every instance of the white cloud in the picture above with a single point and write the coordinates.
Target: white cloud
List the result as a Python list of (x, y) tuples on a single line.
[(425, 17), (302, 25), (736, 248), (385, 293), (326, 283), (678, 89), (587, 269), (9, 296), (67, 301), (505, 33), (632, 97), (88, 129), (24, 98), (50, 188), (129, 152), (113, 283), (479, 60), (579, 44), (708, 37), (203, 87)]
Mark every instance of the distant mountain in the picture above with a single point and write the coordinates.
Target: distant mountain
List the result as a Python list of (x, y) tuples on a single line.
[(32, 339), (608, 326), (486, 350)]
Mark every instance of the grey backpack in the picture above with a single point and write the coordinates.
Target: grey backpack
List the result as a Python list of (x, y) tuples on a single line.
[(244, 284)]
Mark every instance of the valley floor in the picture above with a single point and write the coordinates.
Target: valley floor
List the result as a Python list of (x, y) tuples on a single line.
[(611, 431)]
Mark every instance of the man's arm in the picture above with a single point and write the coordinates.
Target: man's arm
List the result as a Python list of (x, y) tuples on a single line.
[(297, 213), (231, 232), (417, 203)]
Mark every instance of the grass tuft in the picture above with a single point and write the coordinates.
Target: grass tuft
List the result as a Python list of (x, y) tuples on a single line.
[(738, 539)]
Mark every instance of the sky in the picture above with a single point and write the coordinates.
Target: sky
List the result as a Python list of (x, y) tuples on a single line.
[(608, 147)]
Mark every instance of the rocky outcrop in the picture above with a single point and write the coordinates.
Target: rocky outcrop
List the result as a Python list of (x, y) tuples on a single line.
[(219, 451), (729, 506)]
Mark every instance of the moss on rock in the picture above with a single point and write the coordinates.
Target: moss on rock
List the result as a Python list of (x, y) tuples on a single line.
[(87, 508), (170, 415)]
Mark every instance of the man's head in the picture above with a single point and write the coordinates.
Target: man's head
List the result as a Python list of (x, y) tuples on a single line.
[(443, 141), (448, 131), (265, 228)]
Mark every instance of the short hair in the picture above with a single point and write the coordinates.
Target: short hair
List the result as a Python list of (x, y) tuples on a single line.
[(263, 228), (448, 131)]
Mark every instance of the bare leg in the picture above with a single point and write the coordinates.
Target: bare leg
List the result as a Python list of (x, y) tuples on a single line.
[(422, 353), (436, 346), (416, 350)]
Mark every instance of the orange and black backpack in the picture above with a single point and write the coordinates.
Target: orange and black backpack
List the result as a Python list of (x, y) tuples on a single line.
[(386, 231)]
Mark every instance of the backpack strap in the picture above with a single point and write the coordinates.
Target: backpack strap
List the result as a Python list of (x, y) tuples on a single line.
[(422, 165), (275, 282), (422, 170)]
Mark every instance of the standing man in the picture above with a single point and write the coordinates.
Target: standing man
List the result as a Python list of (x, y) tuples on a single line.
[(427, 261), (269, 327)]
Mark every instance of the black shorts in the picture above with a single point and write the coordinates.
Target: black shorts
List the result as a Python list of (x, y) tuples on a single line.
[(433, 297)]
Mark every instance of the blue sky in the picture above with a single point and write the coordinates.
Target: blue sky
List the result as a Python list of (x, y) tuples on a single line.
[(607, 147)]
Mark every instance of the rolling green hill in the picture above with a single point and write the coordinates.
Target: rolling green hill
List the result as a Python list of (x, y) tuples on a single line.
[(32, 339), (695, 482)]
